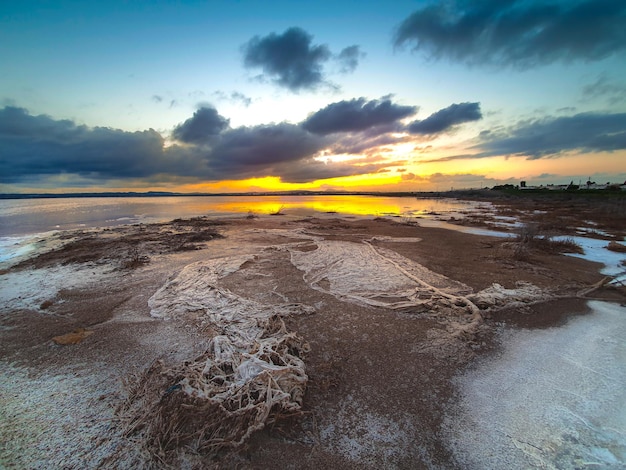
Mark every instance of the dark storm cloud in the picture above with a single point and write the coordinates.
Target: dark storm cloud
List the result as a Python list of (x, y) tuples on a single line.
[(446, 118), (249, 148), (310, 170), (362, 143), (284, 150), (356, 115), (34, 148), (516, 33), (289, 58), (202, 127), (349, 58), (40, 145)]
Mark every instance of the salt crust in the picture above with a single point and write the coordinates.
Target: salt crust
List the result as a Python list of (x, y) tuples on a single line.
[(253, 366), (51, 420), (252, 348), (29, 288), (553, 398), (362, 435)]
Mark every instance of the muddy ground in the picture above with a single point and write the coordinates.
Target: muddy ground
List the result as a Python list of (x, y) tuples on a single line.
[(379, 379)]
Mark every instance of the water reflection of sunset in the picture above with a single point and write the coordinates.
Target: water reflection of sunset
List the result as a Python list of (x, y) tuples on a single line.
[(25, 216), (347, 205)]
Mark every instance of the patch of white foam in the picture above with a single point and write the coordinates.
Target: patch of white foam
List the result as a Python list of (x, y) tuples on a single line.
[(553, 398)]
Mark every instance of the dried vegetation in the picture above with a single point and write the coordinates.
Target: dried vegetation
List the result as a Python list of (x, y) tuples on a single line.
[(128, 247), (217, 400), (252, 372), (530, 238)]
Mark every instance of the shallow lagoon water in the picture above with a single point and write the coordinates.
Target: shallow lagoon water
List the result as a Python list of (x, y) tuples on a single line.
[(24, 221), (29, 216)]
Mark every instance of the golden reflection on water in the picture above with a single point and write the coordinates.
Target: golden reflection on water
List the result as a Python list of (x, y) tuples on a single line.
[(24, 216), (347, 205)]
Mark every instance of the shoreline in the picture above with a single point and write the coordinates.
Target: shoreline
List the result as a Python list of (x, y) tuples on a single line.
[(379, 373)]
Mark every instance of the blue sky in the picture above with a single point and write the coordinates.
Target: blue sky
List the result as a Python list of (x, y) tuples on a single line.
[(196, 95)]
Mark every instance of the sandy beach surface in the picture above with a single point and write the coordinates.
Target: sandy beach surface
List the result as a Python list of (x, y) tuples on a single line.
[(317, 342)]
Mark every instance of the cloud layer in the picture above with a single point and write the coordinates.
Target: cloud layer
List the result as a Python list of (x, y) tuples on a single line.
[(356, 115), (39, 145), (446, 118), (550, 137), (207, 149), (516, 33)]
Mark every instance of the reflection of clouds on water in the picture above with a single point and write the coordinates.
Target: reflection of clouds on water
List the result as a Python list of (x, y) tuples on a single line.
[(553, 398)]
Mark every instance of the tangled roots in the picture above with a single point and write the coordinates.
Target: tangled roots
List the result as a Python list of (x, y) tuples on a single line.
[(219, 399)]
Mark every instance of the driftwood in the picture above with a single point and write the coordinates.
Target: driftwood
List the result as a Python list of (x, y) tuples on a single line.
[(595, 287)]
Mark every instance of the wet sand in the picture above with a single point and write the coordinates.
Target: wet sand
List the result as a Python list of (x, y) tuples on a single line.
[(380, 367)]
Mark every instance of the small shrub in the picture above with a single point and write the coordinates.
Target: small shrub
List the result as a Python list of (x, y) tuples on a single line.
[(135, 259), (566, 245), (521, 252), (410, 221), (278, 211), (527, 233), (529, 237)]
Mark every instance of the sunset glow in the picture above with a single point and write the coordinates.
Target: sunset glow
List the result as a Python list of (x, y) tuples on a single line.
[(245, 97)]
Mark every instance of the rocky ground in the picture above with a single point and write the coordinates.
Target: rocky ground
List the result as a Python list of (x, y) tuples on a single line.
[(382, 324)]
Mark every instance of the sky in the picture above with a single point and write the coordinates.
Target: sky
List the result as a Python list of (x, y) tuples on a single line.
[(238, 96)]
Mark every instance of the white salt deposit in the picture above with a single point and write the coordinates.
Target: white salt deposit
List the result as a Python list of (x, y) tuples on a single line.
[(15, 249), (596, 250), (497, 295), (52, 420), (195, 296), (364, 436), (12, 247), (553, 398), (371, 275), (27, 289)]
